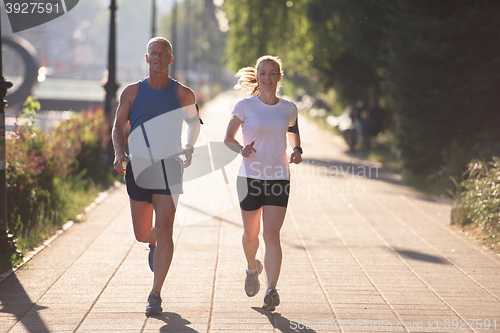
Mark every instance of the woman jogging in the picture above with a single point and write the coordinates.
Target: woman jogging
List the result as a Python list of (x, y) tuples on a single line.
[(264, 176)]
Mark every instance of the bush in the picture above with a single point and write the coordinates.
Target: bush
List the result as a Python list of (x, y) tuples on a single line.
[(481, 195), (51, 176)]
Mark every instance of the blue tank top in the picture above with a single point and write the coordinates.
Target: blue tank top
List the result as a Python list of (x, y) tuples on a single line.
[(156, 118), (150, 103)]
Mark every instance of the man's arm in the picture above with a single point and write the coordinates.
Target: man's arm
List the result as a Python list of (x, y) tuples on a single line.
[(188, 102), (120, 126)]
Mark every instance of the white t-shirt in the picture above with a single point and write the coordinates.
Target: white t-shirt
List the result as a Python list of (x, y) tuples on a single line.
[(267, 126)]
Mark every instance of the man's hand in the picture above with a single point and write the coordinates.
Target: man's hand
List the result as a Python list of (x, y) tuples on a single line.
[(120, 163), (188, 152)]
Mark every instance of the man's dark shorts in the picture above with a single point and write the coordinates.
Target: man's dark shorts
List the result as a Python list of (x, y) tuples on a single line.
[(137, 193), (255, 193)]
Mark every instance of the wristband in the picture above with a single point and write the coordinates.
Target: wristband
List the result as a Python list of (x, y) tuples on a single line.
[(193, 119), (299, 148), (190, 147)]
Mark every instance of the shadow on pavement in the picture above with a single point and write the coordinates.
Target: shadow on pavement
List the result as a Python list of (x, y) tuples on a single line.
[(281, 323), (338, 169), (174, 323), (14, 300), (422, 257), (230, 222), (209, 216)]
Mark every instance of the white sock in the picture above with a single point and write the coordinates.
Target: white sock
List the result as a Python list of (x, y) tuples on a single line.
[(252, 271)]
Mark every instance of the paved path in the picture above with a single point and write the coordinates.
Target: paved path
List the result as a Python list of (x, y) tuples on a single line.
[(362, 253)]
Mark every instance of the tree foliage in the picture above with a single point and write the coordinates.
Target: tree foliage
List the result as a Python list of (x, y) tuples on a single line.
[(347, 49), (260, 27), (437, 63), (197, 44), (443, 68)]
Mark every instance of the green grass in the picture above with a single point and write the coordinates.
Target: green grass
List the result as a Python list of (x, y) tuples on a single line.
[(75, 202)]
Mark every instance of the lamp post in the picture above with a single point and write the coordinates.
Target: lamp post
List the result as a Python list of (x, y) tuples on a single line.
[(7, 242), (153, 20), (111, 86), (173, 66), (187, 41)]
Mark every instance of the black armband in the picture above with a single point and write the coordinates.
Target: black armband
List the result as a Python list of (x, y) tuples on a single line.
[(198, 109), (294, 128)]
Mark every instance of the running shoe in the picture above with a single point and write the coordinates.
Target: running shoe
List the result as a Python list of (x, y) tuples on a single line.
[(271, 300), (154, 304), (151, 255), (252, 284)]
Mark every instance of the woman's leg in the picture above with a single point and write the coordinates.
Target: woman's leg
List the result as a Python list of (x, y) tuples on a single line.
[(273, 217), (251, 229)]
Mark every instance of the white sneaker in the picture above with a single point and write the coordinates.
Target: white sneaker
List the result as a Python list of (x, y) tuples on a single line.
[(252, 284), (271, 300)]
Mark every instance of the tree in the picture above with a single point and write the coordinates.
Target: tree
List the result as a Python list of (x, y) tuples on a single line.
[(347, 51), (442, 73), (275, 27), (436, 62)]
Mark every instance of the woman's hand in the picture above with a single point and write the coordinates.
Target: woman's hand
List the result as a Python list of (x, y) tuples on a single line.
[(296, 157), (248, 150)]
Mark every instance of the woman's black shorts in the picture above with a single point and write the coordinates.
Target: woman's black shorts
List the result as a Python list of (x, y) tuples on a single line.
[(255, 193)]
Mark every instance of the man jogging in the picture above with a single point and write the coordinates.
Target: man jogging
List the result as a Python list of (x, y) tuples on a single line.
[(155, 108)]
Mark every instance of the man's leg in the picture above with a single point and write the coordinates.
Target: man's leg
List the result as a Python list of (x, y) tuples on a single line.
[(164, 206), (142, 220)]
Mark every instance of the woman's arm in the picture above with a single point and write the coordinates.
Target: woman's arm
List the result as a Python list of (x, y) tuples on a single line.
[(294, 140), (230, 138)]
